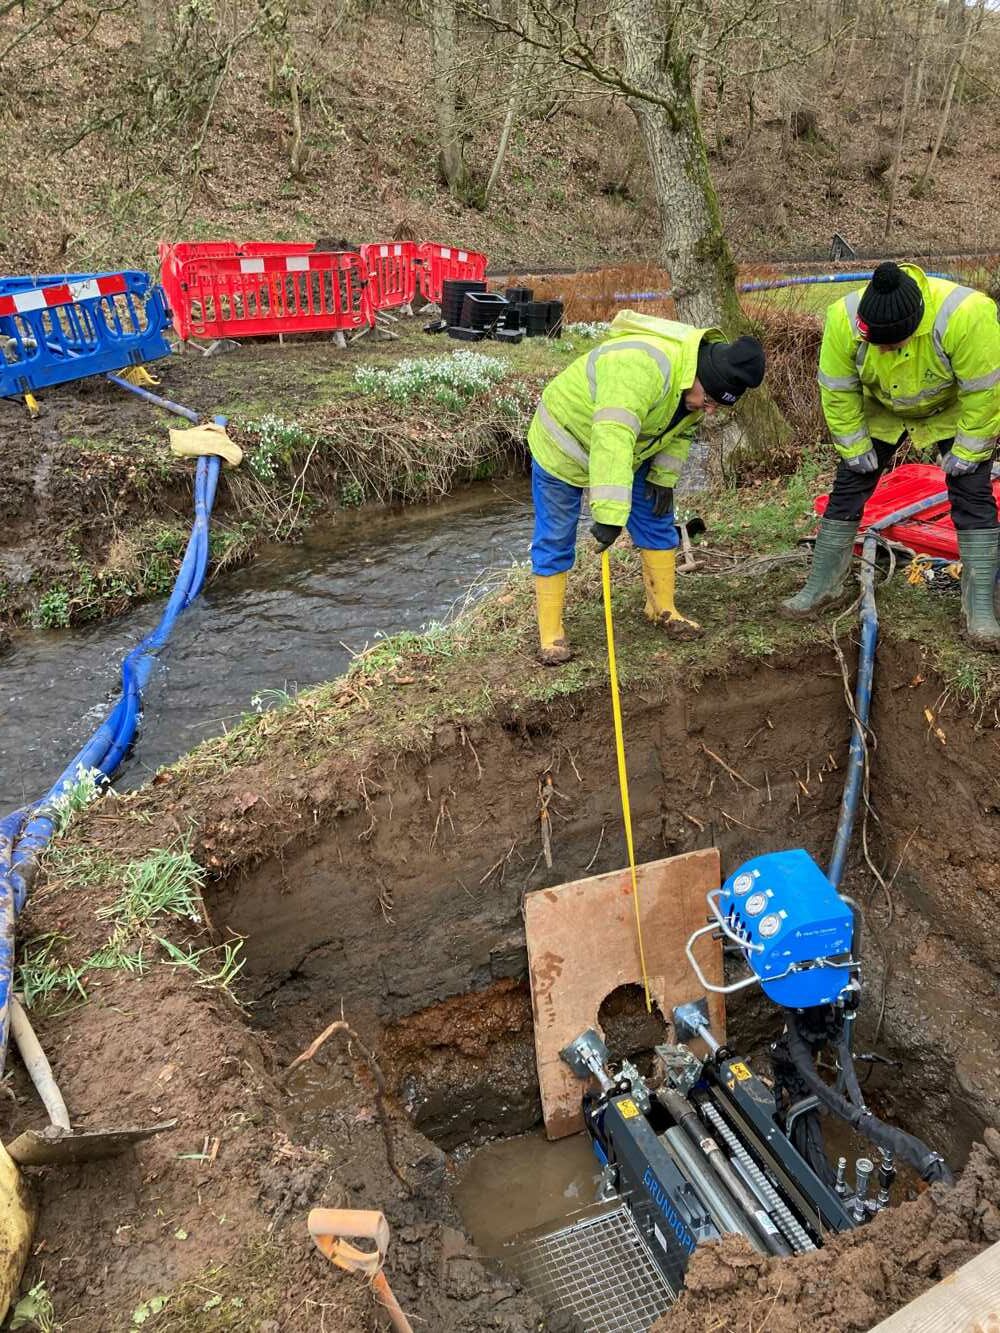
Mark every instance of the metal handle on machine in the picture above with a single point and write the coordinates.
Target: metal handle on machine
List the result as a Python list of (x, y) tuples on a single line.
[(710, 985)]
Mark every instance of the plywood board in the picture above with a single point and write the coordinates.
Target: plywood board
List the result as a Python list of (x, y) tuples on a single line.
[(966, 1301), (582, 945)]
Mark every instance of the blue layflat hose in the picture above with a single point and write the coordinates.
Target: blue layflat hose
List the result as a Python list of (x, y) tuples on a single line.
[(863, 684), (24, 833), (773, 284)]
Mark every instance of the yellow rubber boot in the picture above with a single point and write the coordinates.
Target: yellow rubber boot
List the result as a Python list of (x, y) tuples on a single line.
[(659, 576), (550, 593), (17, 1222)]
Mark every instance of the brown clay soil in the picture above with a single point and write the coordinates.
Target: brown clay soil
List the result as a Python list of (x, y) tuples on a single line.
[(381, 881), (849, 1286)]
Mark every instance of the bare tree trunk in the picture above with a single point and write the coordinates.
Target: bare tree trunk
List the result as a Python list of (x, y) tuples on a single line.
[(894, 182), (443, 45), (298, 153), (693, 248), (957, 64), (925, 35), (147, 29), (522, 67)]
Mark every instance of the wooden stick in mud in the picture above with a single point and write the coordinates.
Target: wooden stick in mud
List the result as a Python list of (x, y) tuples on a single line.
[(376, 1072)]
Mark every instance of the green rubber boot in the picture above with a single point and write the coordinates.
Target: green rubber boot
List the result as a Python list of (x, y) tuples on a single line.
[(978, 549), (830, 563)]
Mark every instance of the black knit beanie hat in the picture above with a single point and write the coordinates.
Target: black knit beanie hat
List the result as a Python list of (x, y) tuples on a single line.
[(727, 370), (891, 306)]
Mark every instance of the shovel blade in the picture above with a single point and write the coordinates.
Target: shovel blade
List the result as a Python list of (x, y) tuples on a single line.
[(53, 1146)]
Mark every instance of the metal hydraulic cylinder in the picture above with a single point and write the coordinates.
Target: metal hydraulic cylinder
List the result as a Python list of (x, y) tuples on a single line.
[(725, 1213), (757, 1217)]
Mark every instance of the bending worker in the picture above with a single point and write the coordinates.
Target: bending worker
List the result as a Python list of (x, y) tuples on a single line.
[(620, 420), (917, 356)]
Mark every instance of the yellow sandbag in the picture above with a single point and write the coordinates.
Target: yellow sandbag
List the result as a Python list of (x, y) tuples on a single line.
[(207, 439), (17, 1222)]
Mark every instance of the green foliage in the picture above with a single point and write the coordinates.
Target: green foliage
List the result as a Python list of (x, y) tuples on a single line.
[(351, 493), (449, 380), (46, 982), (387, 653), (268, 700), (277, 441), (53, 609), (227, 972), (86, 787), (35, 1311), (165, 883)]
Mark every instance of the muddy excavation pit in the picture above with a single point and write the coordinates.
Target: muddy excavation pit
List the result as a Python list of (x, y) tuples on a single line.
[(404, 915)]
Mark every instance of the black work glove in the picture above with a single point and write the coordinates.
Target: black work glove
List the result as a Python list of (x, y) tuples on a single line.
[(661, 498), (605, 534)]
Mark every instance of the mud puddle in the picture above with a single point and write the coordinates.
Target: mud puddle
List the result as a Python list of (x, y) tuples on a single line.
[(292, 618), (515, 1185)]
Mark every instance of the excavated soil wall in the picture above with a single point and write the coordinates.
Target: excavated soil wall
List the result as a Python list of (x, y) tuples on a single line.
[(406, 910)]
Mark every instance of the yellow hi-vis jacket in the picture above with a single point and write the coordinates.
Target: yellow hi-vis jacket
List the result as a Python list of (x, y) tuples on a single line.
[(944, 383), (609, 410)]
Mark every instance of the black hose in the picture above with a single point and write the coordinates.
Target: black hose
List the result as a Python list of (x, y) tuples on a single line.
[(849, 1072), (930, 1165), (807, 1140)]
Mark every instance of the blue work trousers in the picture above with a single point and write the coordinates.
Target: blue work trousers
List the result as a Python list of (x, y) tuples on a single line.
[(557, 514)]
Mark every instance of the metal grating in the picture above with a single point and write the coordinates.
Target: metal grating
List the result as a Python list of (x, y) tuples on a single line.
[(601, 1269)]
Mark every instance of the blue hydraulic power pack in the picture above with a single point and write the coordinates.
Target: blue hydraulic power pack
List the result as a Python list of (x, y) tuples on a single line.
[(795, 929)]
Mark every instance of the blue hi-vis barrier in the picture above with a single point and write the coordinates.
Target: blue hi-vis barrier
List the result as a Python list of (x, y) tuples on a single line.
[(63, 327)]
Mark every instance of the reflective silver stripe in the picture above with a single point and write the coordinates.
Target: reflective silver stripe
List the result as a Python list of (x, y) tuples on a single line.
[(948, 307), (621, 416), (622, 345), (974, 444), (980, 382), (912, 399), (852, 300), (838, 381), (618, 494), (570, 447), (668, 462), (847, 440)]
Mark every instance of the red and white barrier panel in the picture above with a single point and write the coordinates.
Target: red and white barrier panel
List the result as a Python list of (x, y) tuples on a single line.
[(442, 263), (263, 295), (64, 293), (392, 268)]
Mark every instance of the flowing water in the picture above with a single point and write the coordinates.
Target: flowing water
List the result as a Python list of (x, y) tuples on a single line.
[(292, 618)]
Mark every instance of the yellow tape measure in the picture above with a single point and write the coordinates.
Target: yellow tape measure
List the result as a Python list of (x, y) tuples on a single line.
[(616, 709)]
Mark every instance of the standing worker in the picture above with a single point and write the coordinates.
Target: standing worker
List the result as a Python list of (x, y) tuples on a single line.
[(917, 356), (620, 420)]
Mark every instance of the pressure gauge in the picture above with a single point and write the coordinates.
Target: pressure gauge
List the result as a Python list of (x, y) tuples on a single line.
[(743, 883), (755, 904), (769, 925)]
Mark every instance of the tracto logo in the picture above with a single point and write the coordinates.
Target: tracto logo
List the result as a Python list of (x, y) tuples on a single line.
[(662, 1200)]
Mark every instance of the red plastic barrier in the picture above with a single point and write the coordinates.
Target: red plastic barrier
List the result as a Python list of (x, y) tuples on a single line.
[(392, 273), (932, 532), (441, 263), (256, 290)]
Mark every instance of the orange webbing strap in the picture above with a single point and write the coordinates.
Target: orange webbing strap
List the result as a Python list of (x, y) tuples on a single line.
[(328, 1228)]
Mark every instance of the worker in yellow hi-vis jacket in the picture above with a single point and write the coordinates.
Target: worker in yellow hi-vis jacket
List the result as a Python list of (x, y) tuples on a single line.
[(619, 421), (916, 356)]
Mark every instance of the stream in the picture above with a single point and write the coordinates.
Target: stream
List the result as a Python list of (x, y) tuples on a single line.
[(292, 618)]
